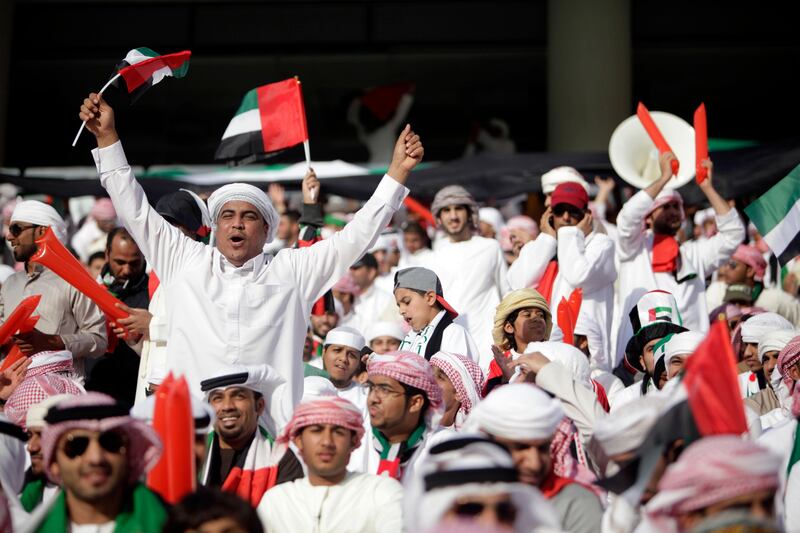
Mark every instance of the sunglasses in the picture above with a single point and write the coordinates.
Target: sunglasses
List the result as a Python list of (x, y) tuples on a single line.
[(506, 512), (573, 211), (15, 230), (110, 441)]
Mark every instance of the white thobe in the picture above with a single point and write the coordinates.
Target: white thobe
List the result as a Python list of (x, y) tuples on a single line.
[(474, 280), (359, 503), (584, 261), (455, 339), (419, 258), (220, 315), (636, 276), (748, 384), (373, 305)]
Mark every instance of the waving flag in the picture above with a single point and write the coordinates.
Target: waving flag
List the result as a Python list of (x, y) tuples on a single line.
[(776, 214), (142, 68), (270, 118)]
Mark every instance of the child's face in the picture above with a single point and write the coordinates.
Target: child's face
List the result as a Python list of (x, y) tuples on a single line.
[(414, 307)]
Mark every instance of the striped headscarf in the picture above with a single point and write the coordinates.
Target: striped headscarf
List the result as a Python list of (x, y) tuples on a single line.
[(712, 470), (409, 369), (466, 377), (787, 358), (455, 195), (324, 410)]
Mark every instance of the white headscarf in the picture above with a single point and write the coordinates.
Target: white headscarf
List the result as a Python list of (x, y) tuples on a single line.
[(567, 356), (245, 193), (625, 429), (345, 336), (517, 411), (755, 327), (492, 216), (41, 214), (775, 341)]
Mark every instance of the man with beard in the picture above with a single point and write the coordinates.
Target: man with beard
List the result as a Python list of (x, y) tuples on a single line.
[(124, 276), (68, 320), (232, 304), (330, 499), (241, 457), (651, 257), (472, 268), (98, 454), (523, 418)]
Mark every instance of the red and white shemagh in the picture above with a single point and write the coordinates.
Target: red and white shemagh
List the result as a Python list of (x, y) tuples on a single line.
[(41, 382), (410, 369), (466, 377), (328, 410), (787, 358), (564, 464), (712, 470)]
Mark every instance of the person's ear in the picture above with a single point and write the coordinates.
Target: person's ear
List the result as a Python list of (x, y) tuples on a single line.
[(353, 440), (39, 232), (55, 471), (298, 441), (794, 373), (750, 272), (415, 403), (583, 344), (641, 361), (430, 298), (508, 328)]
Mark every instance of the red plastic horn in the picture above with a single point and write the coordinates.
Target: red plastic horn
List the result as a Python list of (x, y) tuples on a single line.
[(15, 354), (19, 320), (655, 134), (56, 257), (700, 143), (416, 207), (174, 475), (568, 315)]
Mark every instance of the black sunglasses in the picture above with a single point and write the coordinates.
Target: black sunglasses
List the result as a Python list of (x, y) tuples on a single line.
[(574, 212), (15, 230), (506, 512), (110, 441)]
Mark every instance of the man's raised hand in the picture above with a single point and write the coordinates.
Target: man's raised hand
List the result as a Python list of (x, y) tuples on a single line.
[(408, 152), (310, 187), (99, 117)]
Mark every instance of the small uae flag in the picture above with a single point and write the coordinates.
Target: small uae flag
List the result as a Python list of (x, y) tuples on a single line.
[(270, 118), (142, 68), (705, 402), (776, 214)]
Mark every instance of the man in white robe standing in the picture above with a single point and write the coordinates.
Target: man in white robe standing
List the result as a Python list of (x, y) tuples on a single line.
[(651, 258), (232, 303)]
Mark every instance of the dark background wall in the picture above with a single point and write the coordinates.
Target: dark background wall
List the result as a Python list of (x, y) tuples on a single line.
[(469, 60)]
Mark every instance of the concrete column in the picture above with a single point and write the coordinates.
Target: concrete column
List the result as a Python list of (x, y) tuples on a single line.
[(6, 19), (588, 72)]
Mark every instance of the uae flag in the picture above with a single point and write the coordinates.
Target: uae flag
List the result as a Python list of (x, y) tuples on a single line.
[(776, 214), (142, 68), (270, 118), (705, 402)]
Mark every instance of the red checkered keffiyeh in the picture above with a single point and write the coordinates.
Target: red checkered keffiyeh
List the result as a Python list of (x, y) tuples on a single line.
[(564, 464), (326, 410), (466, 377), (40, 383), (712, 470), (787, 358), (413, 370)]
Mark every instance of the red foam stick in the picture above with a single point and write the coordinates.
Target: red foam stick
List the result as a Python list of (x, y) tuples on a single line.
[(416, 207), (700, 143), (17, 320), (565, 321), (655, 134), (575, 301), (56, 257), (179, 442), (158, 477), (15, 354)]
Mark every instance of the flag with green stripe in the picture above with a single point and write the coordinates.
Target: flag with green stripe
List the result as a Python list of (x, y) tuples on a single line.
[(776, 214), (270, 118), (142, 68)]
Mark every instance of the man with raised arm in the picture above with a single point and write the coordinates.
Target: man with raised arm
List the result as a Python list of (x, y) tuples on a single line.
[(231, 303), (652, 259)]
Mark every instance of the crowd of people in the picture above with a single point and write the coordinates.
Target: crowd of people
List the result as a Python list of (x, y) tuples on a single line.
[(362, 369)]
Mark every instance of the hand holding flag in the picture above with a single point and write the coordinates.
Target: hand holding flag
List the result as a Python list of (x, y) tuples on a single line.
[(141, 69)]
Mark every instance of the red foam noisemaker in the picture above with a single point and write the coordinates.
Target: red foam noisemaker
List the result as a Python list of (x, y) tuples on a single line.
[(568, 315), (416, 207), (655, 134), (700, 143), (56, 257), (174, 475), (20, 320)]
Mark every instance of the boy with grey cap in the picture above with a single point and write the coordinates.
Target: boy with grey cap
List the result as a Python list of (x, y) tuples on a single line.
[(419, 297)]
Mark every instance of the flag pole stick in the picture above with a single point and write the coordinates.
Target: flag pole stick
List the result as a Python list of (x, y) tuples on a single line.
[(83, 125), (307, 150)]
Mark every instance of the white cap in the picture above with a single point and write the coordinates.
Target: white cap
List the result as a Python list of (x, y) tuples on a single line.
[(385, 329), (559, 175), (345, 336), (202, 413)]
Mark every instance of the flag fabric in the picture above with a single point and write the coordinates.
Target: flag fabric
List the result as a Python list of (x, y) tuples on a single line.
[(270, 118), (142, 68), (705, 402), (384, 100), (776, 214)]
